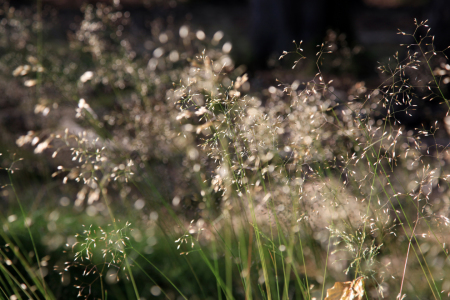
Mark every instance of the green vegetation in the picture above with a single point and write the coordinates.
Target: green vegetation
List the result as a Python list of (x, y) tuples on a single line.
[(150, 167)]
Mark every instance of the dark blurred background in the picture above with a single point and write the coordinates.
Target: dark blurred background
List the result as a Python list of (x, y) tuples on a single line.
[(362, 33), (261, 29)]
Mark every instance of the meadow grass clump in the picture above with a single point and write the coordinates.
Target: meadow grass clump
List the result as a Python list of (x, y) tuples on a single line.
[(224, 192)]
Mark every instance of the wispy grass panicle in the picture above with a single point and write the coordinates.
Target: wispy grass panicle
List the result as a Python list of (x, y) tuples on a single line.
[(234, 190)]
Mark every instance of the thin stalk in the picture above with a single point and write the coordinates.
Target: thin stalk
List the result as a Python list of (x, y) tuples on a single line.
[(47, 293)]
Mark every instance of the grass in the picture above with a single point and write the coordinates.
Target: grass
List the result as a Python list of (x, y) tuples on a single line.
[(192, 185)]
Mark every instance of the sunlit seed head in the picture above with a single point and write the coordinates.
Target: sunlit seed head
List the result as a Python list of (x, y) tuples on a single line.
[(218, 36), (200, 35), (176, 201), (155, 290), (226, 48), (139, 204), (153, 216), (174, 56), (30, 83), (17, 71), (91, 211), (152, 63), (86, 76), (184, 31), (35, 141), (163, 38), (272, 90), (158, 52), (307, 140)]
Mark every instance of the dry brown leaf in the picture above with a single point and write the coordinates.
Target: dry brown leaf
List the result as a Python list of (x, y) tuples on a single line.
[(349, 290)]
